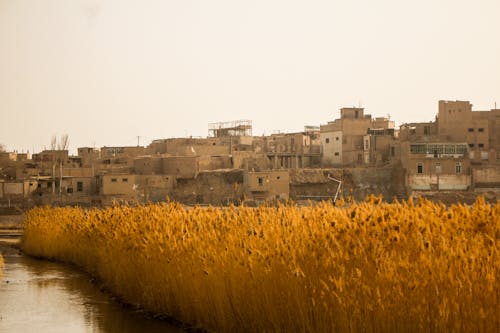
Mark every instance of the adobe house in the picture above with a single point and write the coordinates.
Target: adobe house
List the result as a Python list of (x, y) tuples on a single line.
[(480, 129), (119, 185), (436, 165), (17, 189), (292, 150), (267, 185), (356, 139)]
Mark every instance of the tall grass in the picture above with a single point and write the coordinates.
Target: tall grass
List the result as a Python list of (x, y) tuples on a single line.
[(371, 266)]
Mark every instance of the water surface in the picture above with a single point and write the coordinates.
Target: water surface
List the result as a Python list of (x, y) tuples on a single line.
[(42, 297)]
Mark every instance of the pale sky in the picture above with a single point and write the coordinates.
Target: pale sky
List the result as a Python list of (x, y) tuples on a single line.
[(107, 71)]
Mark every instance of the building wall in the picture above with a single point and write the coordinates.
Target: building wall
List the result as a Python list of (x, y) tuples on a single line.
[(442, 182), (218, 187), (120, 184), (331, 143), (207, 163), (180, 166), (486, 177), (18, 189), (155, 188), (297, 143), (250, 161), (418, 131), (89, 156), (352, 113), (193, 146), (454, 117), (429, 159), (123, 151), (382, 123), (380, 148), (79, 185), (148, 165), (267, 185)]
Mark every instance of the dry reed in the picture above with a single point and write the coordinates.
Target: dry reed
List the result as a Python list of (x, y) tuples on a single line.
[(370, 266)]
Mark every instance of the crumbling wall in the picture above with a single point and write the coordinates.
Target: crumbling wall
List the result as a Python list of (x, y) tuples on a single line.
[(356, 182), (210, 187)]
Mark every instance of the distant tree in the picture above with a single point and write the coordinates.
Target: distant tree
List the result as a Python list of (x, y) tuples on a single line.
[(2, 147), (60, 145), (63, 142)]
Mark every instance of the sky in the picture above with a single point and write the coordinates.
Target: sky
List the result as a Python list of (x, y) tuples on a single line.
[(107, 71)]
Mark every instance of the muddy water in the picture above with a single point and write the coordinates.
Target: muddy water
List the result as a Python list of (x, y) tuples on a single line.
[(41, 296)]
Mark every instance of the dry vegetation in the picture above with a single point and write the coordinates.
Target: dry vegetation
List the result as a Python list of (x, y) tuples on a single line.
[(371, 267), (1, 266)]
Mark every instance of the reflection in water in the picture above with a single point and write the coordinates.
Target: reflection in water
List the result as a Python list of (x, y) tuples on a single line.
[(40, 296)]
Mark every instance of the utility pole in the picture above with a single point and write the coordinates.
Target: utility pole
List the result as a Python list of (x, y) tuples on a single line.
[(138, 137)]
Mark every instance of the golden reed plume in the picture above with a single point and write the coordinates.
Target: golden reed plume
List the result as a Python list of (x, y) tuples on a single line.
[(370, 266)]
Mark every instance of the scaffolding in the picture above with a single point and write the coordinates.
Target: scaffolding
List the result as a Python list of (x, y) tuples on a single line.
[(230, 128)]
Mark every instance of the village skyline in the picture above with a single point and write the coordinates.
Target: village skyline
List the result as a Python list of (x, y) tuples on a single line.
[(144, 141)]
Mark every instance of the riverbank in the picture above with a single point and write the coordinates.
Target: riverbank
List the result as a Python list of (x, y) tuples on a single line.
[(46, 296)]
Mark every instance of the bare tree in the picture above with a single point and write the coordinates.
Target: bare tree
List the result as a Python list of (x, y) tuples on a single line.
[(53, 142), (61, 146), (63, 142)]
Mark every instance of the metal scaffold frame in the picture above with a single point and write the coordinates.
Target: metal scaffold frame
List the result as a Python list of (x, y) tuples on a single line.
[(230, 128)]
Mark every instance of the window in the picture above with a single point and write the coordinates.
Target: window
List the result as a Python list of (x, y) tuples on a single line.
[(336, 153), (261, 181), (49, 184), (69, 190), (471, 145), (438, 167), (336, 138), (79, 186), (427, 130), (458, 167), (114, 180), (480, 129), (393, 151), (481, 145), (471, 130), (418, 149), (420, 168), (124, 180), (327, 140)]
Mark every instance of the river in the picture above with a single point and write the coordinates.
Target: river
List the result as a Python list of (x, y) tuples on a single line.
[(41, 296)]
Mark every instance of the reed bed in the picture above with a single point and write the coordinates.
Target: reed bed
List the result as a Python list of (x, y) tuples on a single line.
[(361, 267)]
